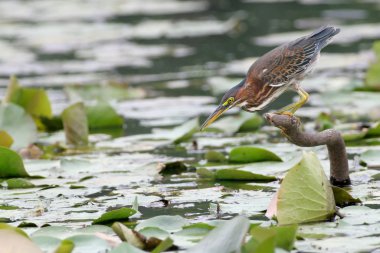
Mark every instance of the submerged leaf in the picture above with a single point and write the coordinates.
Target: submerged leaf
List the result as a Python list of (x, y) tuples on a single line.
[(11, 164), (225, 238), (165, 222), (115, 215), (251, 154), (75, 124), (172, 168), (305, 194)]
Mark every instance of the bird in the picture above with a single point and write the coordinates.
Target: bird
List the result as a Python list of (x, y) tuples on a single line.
[(282, 68)]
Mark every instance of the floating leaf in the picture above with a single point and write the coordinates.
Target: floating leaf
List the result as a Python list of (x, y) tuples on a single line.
[(46, 243), (126, 248), (180, 133), (173, 168), (17, 183), (164, 245), (243, 122), (35, 101), (5, 139), (284, 235), (343, 198), (215, 157), (263, 240), (251, 154), (115, 215), (107, 92), (371, 158), (89, 243), (305, 194), (18, 124), (102, 115), (11, 164), (372, 78), (241, 175), (13, 86), (165, 222), (75, 124), (66, 246), (225, 238)]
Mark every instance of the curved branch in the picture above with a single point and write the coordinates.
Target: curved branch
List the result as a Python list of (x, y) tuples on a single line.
[(291, 127)]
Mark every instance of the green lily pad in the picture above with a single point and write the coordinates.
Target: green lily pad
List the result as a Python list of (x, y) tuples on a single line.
[(35, 101), (115, 215), (164, 245), (66, 246), (88, 243), (285, 236), (11, 164), (126, 247), (225, 238), (305, 194), (102, 115), (372, 79), (75, 124), (241, 175), (173, 168), (263, 240), (243, 122), (251, 154), (343, 198), (47, 243), (5, 139), (215, 157), (17, 183), (18, 124), (371, 158), (164, 222)]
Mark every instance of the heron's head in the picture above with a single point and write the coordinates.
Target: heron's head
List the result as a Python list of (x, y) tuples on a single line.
[(233, 97)]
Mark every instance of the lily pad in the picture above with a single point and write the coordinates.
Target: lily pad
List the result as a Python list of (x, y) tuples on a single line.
[(285, 236), (215, 157), (17, 183), (75, 124), (371, 158), (248, 154), (35, 101), (126, 247), (5, 139), (343, 198), (243, 122), (102, 115), (66, 246), (18, 124), (164, 222), (241, 175), (115, 215), (11, 164), (225, 238), (305, 194)]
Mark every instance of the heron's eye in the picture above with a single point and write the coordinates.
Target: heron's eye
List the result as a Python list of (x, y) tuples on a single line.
[(229, 101)]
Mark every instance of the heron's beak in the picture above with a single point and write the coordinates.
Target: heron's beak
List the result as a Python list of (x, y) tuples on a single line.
[(219, 111)]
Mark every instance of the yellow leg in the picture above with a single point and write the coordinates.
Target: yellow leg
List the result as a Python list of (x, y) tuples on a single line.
[(292, 108)]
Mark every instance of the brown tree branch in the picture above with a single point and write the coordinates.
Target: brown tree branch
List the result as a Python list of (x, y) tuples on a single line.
[(291, 127)]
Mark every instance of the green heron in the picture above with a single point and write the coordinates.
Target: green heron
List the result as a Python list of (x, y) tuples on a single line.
[(268, 77)]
